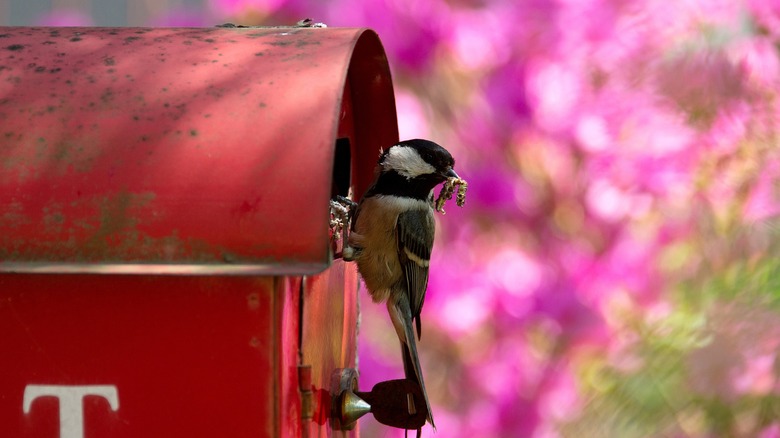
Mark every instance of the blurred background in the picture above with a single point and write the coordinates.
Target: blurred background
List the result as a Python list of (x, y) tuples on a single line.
[(614, 272)]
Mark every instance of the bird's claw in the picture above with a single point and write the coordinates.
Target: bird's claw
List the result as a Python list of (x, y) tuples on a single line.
[(339, 217), (341, 211)]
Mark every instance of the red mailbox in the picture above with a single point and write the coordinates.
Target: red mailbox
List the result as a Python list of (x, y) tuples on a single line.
[(166, 261)]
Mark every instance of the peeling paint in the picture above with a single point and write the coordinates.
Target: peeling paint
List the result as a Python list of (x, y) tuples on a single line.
[(13, 216), (53, 218), (116, 221), (113, 233)]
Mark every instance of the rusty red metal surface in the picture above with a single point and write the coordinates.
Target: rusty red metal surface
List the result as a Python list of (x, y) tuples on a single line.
[(188, 356), (286, 397), (329, 333), (180, 150)]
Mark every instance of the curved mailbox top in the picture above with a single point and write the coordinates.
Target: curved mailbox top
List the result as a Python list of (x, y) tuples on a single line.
[(181, 150)]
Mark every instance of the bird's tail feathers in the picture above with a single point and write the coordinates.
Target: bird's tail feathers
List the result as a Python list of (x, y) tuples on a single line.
[(412, 368)]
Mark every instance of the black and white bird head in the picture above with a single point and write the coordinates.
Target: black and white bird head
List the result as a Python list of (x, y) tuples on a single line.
[(413, 168)]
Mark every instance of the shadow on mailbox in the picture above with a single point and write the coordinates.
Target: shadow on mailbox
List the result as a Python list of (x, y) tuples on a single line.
[(166, 261)]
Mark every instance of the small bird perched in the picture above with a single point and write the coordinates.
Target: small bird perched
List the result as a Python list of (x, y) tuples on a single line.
[(392, 237)]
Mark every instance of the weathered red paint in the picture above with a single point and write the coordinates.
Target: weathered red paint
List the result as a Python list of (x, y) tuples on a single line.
[(179, 149), (196, 152), (335, 346), (189, 355)]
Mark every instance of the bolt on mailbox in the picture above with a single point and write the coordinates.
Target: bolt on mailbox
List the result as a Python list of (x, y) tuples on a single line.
[(166, 262)]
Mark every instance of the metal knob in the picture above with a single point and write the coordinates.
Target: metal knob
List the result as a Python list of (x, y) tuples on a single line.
[(346, 407), (352, 408), (396, 403)]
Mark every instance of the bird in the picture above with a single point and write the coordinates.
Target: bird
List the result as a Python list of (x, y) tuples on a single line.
[(392, 234)]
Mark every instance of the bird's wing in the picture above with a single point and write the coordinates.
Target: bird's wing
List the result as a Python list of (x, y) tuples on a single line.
[(414, 233)]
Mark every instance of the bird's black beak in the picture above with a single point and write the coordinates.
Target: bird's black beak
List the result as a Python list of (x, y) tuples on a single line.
[(451, 173)]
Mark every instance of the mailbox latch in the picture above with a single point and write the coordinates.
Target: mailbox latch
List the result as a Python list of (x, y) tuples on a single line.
[(396, 403)]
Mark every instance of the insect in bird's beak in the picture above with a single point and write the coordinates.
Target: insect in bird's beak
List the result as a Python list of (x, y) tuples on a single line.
[(448, 189)]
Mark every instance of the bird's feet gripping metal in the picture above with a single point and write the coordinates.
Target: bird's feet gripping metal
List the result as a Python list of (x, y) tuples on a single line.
[(341, 211)]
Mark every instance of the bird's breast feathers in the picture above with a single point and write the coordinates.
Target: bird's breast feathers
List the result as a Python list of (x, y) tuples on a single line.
[(375, 236)]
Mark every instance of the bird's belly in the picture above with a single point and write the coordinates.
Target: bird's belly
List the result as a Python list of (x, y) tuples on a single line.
[(380, 270), (375, 235)]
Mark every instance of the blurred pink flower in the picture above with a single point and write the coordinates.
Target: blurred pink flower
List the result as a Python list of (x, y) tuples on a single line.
[(728, 129), (479, 36), (756, 375), (758, 58), (411, 30), (607, 202), (514, 271), (592, 133), (766, 14), (714, 13), (579, 323), (493, 189), (560, 400), (553, 89), (701, 83), (465, 311), (412, 118), (516, 277), (771, 431), (507, 98), (763, 202), (585, 24)]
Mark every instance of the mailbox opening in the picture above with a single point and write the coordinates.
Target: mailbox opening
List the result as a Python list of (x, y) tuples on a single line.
[(342, 168)]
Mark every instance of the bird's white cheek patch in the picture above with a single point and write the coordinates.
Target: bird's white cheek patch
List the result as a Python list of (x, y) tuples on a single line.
[(407, 162)]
